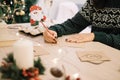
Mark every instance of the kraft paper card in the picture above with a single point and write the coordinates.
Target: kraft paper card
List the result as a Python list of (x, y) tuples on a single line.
[(39, 50), (95, 57)]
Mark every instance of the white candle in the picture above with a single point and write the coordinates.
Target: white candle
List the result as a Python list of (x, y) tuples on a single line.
[(23, 53)]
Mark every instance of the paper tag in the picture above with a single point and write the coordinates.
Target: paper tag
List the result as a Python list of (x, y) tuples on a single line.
[(96, 57)]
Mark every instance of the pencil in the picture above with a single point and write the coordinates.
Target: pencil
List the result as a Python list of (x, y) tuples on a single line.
[(48, 30)]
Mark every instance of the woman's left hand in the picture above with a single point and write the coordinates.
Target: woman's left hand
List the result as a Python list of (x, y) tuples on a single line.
[(82, 37)]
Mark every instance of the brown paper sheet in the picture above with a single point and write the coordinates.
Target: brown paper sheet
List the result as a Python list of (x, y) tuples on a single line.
[(95, 57)]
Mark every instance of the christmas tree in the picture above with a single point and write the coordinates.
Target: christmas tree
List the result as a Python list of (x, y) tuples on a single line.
[(15, 11)]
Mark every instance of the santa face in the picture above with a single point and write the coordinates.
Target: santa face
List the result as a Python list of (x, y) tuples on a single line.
[(36, 15)]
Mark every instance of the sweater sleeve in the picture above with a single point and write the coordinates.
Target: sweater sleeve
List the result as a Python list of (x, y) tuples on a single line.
[(109, 39), (76, 24)]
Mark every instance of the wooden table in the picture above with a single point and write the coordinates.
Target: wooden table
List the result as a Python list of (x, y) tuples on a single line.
[(109, 70)]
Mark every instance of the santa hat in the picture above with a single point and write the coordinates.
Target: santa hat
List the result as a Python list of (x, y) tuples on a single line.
[(35, 7)]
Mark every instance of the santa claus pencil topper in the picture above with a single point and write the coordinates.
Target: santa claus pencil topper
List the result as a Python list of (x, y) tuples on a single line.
[(36, 15)]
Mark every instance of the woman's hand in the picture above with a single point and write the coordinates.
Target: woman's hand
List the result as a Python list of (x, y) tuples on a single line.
[(50, 36), (82, 37)]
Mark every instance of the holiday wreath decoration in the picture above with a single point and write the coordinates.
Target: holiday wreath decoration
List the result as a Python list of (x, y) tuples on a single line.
[(10, 70)]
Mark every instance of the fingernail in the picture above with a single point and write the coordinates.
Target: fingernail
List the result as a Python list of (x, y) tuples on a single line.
[(76, 42), (66, 39), (55, 36), (55, 40)]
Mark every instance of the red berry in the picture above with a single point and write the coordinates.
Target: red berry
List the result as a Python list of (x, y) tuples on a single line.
[(78, 79), (31, 79), (67, 78), (36, 72), (37, 78), (30, 74)]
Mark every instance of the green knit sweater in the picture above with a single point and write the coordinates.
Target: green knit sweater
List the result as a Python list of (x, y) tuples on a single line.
[(105, 23)]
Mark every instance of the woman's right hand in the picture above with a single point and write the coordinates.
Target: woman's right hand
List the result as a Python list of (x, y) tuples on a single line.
[(50, 36)]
